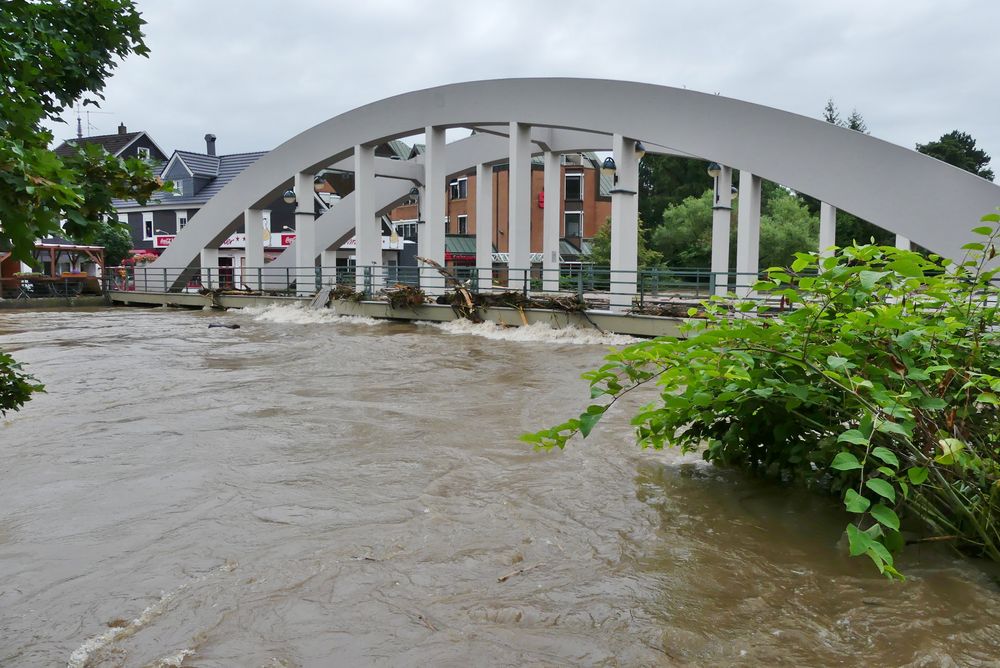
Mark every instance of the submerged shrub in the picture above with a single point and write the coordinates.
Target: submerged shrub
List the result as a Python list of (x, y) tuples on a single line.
[(878, 380)]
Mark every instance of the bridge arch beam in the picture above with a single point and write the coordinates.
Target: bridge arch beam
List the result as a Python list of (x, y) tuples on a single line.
[(915, 196)]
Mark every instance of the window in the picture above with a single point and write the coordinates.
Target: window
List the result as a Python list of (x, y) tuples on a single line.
[(574, 187), (572, 159), (459, 188), (463, 224), (178, 187), (147, 225), (182, 220), (574, 223), (407, 230), (142, 152)]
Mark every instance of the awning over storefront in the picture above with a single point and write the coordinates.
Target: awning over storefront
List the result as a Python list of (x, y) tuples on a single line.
[(460, 248)]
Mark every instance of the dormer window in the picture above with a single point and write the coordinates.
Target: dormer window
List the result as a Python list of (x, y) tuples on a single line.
[(142, 152), (178, 187)]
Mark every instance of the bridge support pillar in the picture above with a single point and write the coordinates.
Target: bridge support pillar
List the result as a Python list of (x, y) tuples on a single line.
[(827, 230), (519, 206), (902, 242), (430, 237), (748, 235), (328, 266), (624, 224), (253, 226), (484, 227), (550, 221), (367, 230), (722, 211), (305, 235), (210, 268)]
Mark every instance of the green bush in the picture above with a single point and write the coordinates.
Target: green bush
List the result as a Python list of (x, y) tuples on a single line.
[(16, 386), (876, 379)]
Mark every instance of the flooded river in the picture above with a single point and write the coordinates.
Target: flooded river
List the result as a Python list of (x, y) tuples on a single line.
[(314, 491)]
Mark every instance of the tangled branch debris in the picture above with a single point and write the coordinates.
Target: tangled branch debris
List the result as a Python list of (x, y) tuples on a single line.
[(405, 296), (346, 293), (664, 309)]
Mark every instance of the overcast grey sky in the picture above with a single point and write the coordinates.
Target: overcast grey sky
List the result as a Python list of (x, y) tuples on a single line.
[(256, 72)]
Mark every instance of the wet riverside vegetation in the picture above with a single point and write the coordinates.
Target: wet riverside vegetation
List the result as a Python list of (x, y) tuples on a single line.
[(879, 385)]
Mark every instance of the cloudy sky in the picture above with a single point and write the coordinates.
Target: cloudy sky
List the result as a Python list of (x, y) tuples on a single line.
[(256, 72)]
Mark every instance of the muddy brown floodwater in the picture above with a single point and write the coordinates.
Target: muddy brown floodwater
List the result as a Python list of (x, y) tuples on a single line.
[(314, 491)]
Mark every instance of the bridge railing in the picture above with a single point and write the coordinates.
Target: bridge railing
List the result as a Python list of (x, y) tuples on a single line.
[(587, 282)]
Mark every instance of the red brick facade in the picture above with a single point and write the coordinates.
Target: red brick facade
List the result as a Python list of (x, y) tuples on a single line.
[(595, 209)]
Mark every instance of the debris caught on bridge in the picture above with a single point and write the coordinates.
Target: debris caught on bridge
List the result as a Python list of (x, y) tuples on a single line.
[(405, 296)]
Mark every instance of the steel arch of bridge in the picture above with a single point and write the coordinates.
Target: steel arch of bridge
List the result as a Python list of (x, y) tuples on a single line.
[(929, 202)]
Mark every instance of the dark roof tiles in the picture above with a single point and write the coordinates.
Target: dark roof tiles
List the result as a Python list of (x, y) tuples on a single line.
[(200, 164), (229, 167), (111, 143)]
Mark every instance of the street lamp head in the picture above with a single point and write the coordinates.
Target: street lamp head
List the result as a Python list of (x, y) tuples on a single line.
[(640, 150), (608, 167), (286, 228), (714, 169), (319, 184), (289, 196), (735, 192)]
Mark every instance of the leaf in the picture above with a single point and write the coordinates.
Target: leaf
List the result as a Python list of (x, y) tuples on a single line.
[(845, 461), (836, 362), (858, 541), (988, 398), (886, 455), (882, 488), (856, 503), (932, 403), (917, 474), (853, 436), (984, 230), (885, 516), (950, 447), (590, 419), (870, 278), (890, 427)]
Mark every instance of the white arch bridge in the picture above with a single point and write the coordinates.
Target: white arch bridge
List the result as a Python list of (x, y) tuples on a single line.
[(915, 196)]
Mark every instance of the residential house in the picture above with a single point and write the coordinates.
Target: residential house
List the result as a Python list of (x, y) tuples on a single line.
[(123, 144)]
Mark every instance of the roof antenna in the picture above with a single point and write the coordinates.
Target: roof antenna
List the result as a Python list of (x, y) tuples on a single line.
[(79, 122)]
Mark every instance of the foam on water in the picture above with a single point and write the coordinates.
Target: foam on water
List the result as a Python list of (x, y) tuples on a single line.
[(537, 332), (174, 660), (82, 655), (298, 314)]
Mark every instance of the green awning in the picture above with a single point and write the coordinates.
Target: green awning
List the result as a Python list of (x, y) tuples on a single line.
[(462, 244), (566, 248)]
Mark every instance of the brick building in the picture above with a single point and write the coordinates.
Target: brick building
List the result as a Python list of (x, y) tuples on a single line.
[(584, 207)]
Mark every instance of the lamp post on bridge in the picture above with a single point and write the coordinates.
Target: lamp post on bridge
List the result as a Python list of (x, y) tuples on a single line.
[(722, 179)]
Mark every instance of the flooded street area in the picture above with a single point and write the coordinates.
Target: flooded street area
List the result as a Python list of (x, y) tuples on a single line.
[(310, 490)]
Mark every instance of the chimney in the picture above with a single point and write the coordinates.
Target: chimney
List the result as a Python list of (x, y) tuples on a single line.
[(210, 144), (122, 130)]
